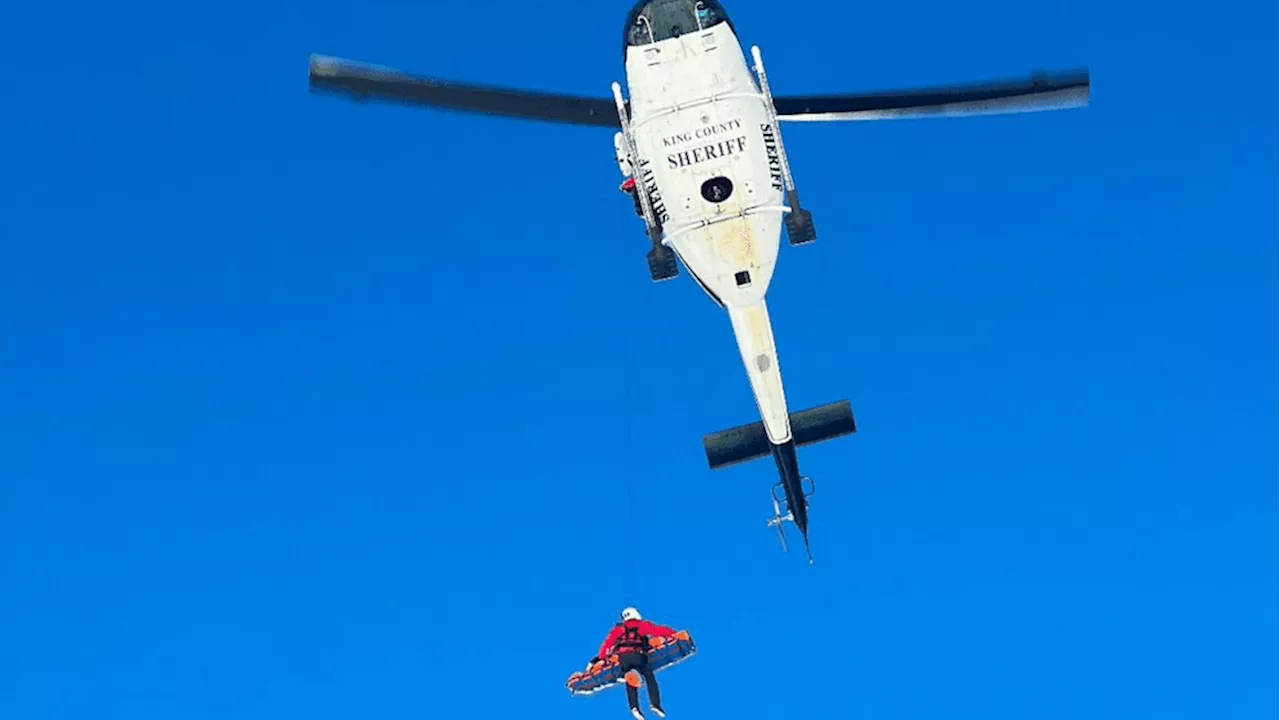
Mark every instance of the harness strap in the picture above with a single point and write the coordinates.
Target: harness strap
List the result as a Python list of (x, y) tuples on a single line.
[(631, 638)]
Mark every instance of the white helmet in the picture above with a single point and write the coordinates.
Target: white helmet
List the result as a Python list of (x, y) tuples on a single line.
[(630, 614)]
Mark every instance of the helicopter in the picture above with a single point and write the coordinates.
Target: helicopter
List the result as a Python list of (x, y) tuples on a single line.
[(699, 144)]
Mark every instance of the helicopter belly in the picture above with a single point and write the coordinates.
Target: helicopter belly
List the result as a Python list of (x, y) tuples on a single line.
[(734, 259), (722, 198), (707, 148)]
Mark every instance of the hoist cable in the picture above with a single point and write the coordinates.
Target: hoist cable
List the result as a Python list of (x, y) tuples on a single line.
[(629, 409)]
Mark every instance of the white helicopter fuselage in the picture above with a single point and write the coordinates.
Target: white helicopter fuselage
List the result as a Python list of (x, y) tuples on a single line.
[(700, 136), (707, 152)]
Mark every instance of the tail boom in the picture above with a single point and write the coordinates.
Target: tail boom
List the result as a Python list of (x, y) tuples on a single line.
[(754, 333)]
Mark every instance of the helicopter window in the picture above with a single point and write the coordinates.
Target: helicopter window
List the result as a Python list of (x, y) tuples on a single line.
[(639, 34), (717, 189), (709, 14), (658, 20)]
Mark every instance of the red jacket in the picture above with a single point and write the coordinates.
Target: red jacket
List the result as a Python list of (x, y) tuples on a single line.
[(645, 627)]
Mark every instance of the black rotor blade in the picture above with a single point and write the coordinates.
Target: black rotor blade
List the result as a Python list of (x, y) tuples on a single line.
[(1040, 92), (370, 82)]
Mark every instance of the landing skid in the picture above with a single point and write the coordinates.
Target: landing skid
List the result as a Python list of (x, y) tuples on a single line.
[(662, 264), (780, 517), (662, 261), (799, 221)]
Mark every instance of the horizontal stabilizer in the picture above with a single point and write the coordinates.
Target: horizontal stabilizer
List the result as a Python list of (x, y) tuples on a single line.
[(749, 442)]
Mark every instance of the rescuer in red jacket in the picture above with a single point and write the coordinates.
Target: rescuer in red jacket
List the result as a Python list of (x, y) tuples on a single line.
[(629, 640)]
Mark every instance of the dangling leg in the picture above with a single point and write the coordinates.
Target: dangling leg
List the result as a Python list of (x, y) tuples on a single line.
[(629, 663), (651, 684)]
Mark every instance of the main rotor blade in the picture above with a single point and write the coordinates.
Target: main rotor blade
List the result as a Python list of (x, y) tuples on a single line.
[(1040, 92), (362, 81)]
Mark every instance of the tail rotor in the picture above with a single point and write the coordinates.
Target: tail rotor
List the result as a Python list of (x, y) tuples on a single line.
[(782, 512)]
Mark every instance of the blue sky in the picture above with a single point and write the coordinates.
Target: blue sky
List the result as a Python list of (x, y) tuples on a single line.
[(317, 410)]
